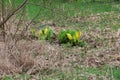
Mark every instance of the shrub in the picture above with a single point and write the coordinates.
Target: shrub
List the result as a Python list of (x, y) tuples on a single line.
[(71, 37), (43, 34), (62, 37)]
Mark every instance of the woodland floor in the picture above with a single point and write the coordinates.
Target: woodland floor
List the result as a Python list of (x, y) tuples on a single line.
[(41, 60)]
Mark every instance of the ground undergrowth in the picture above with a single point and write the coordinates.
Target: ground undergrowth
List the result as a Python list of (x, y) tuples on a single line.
[(41, 60)]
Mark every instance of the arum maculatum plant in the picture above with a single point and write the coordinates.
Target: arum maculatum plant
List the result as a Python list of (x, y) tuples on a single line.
[(43, 34), (72, 37)]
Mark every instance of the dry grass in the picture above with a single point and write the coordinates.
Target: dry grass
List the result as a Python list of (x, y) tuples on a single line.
[(33, 56)]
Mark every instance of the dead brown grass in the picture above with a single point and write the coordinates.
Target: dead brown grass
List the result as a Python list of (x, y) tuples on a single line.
[(33, 56)]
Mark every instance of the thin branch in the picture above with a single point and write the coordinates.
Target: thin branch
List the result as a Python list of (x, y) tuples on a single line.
[(33, 18), (2, 18), (27, 25), (13, 12)]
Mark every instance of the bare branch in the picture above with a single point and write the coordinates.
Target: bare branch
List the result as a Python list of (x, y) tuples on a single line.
[(12, 13), (27, 25), (2, 18)]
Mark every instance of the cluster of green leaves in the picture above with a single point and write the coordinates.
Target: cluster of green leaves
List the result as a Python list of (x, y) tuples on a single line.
[(71, 37), (44, 34)]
